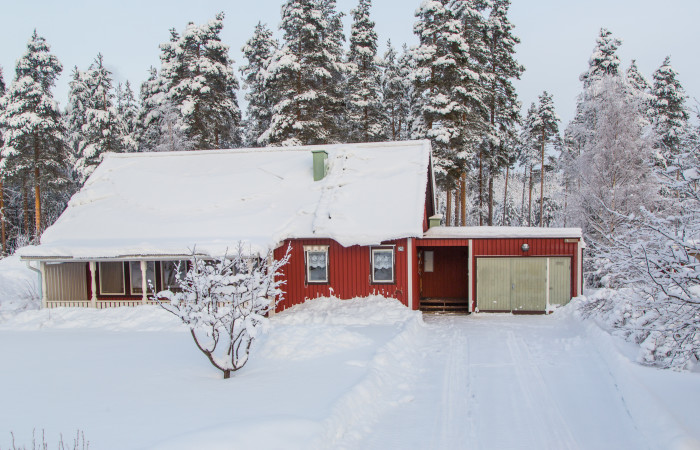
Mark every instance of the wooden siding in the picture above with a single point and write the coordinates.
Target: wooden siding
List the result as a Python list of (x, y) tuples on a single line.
[(450, 276), (348, 273), (442, 242)]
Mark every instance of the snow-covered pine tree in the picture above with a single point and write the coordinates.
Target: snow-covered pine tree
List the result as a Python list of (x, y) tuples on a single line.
[(75, 116), (366, 113), (640, 86), (603, 60), (127, 115), (306, 74), (452, 100), (504, 108), (202, 84), (35, 147), (100, 131), (529, 155), (546, 128), (258, 52), (394, 95), (669, 115), (152, 96)]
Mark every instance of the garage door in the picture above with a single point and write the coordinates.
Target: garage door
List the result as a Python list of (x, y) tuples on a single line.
[(522, 284)]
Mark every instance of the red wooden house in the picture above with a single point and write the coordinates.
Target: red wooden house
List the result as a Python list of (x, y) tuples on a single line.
[(356, 216)]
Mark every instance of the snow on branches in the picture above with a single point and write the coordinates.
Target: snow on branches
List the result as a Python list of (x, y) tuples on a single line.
[(225, 303)]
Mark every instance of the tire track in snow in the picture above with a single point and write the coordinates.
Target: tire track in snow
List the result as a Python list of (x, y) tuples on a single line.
[(455, 421), (551, 431)]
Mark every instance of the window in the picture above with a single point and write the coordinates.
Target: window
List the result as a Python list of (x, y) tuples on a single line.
[(135, 272), (316, 264), (168, 274), (382, 265), (111, 278)]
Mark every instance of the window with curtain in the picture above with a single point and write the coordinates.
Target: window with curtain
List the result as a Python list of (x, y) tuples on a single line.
[(111, 278), (382, 265), (317, 266)]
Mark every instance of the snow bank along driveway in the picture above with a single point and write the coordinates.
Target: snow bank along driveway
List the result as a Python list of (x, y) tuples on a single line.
[(364, 373)]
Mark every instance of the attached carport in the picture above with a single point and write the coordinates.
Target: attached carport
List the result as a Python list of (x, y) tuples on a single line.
[(498, 269)]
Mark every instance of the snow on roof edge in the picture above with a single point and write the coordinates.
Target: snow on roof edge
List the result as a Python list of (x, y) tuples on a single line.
[(487, 232)]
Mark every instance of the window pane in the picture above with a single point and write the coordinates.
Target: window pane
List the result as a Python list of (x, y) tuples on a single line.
[(170, 270), (111, 278), (135, 271), (317, 266), (383, 265)]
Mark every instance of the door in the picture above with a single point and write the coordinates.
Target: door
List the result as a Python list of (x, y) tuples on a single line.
[(559, 281), (493, 284), (528, 281)]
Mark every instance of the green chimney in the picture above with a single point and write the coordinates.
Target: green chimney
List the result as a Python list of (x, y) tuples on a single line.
[(320, 163), (435, 221)]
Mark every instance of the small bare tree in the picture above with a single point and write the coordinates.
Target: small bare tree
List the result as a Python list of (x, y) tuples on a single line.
[(225, 302)]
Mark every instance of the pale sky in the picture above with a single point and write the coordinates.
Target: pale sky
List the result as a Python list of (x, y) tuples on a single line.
[(557, 35)]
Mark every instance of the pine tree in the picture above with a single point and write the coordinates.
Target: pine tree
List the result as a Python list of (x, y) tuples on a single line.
[(394, 101), (127, 118), (3, 230), (33, 134), (604, 60), (306, 73), (546, 128), (366, 116), (153, 97), (529, 154), (100, 131), (451, 97), (202, 84), (669, 116), (501, 98), (258, 51), (639, 87)]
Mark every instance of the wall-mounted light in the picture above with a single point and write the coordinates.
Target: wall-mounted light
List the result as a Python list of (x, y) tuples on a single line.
[(525, 247)]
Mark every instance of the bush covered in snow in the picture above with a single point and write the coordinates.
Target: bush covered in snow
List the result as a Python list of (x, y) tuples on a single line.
[(225, 302)]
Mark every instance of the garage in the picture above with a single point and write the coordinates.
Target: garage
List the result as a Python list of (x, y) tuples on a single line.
[(522, 284), (506, 269)]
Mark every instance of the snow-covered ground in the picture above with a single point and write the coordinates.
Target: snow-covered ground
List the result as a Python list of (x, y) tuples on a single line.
[(19, 287), (363, 373)]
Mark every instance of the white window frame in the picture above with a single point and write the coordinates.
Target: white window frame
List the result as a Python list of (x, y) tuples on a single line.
[(102, 292), (131, 282), (375, 250), (315, 249), (183, 264)]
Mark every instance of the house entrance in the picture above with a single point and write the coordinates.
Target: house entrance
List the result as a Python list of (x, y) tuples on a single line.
[(444, 279)]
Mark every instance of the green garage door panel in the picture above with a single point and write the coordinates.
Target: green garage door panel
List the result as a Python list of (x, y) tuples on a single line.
[(493, 284), (528, 278), (559, 281)]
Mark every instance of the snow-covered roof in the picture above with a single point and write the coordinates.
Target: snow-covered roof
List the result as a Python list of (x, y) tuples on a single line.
[(150, 204), (501, 232)]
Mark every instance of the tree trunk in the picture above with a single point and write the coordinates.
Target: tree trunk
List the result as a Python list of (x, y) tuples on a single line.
[(529, 202), (505, 196), (542, 184), (25, 206), (37, 196), (2, 220), (458, 205), (522, 203), (227, 374), (463, 194), (448, 208), (490, 218), (481, 189)]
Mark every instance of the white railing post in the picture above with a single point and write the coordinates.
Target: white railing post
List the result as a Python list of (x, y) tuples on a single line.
[(93, 284), (144, 282), (44, 294), (471, 275)]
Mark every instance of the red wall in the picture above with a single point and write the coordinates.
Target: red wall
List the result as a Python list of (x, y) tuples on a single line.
[(450, 277), (348, 273)]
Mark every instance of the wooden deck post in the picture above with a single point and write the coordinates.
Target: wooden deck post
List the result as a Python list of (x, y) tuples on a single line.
[(409, 266), (93, 284), (44, 294), (470, 277), (144, 282)]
